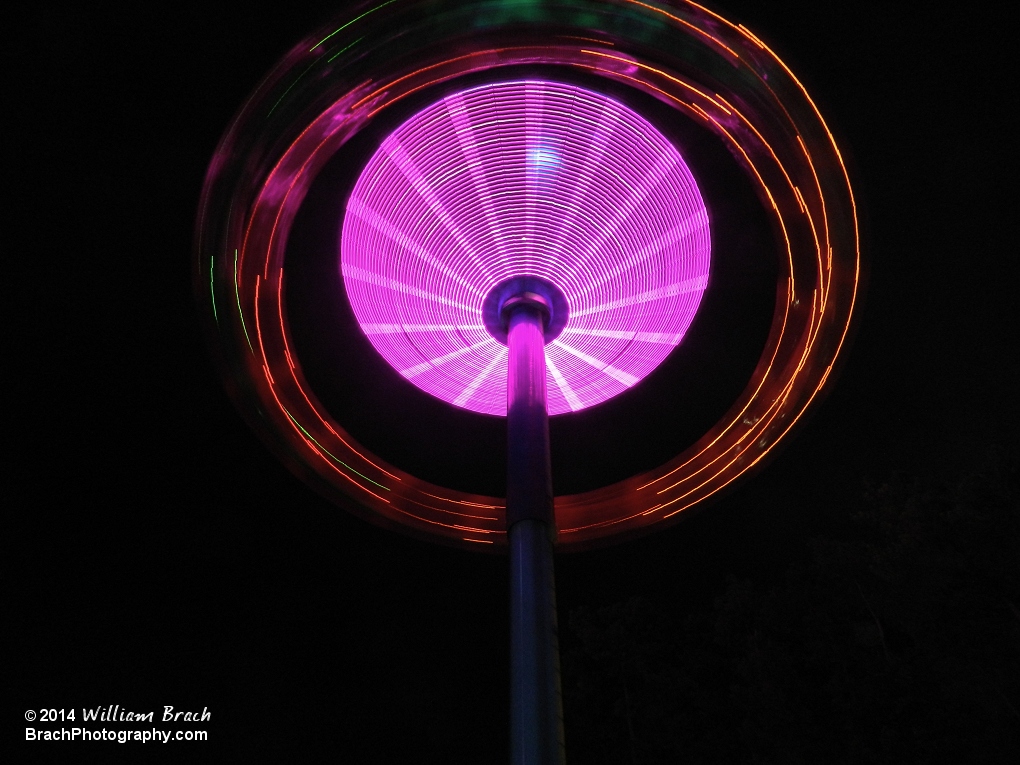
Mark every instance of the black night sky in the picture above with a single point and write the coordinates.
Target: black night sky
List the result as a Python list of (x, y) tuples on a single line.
[(163, 556)]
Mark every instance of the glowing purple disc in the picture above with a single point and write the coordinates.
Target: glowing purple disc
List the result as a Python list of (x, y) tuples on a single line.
[(526, 178)]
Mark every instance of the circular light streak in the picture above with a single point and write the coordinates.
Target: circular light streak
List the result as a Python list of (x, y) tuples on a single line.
[(525, 178), (336, 84)]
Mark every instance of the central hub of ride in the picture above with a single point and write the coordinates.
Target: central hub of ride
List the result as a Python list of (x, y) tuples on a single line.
[(525, 293)]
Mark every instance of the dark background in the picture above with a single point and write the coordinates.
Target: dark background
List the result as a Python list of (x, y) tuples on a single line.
[(163, 556)]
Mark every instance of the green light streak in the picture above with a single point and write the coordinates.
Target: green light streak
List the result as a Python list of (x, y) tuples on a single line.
[(212, 290), (371, 10), (291, 86), (317, 60), (343, 49), (327, 452), (240, 311)]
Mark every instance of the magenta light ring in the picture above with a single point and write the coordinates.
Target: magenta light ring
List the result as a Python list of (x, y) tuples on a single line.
[(514, 179), (328, 89)]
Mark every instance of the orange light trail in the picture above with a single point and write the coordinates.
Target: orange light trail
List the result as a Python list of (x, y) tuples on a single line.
[(789, 153)]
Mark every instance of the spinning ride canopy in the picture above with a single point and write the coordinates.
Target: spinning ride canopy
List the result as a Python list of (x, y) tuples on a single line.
[(504, 175), (518, 179)]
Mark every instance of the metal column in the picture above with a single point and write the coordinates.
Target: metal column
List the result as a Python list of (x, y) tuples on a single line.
[(536, 708)]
